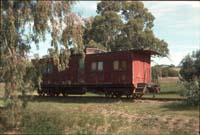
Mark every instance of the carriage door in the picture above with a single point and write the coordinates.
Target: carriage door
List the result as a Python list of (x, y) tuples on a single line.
[(144, 69), (148, 69), (140, 69)]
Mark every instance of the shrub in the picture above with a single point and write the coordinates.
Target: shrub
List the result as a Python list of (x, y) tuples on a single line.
[(190, 76), (192, 92), (156, 73)]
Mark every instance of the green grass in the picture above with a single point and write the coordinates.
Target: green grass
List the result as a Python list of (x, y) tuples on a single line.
[(92, 114), (170, 88), (1, 102), (1, 89), (1, 94), (109, 116)]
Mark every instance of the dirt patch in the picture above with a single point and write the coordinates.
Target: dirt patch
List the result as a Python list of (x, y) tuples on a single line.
[(168, 79), (13, 132)]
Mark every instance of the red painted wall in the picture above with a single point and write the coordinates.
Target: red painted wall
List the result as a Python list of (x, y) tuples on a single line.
[(137, 71), (68, 76), (141, 68), (109, 75)]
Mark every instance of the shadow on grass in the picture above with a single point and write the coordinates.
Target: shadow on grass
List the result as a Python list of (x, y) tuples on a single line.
[(180, 106), (169, 92), (78, 99)]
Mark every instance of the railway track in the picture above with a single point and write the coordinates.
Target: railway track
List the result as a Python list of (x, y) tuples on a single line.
[(94, 99), (101, 98), (162, 99)]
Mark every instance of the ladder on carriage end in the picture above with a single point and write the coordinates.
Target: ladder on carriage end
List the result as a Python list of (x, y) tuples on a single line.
[(140, 90)]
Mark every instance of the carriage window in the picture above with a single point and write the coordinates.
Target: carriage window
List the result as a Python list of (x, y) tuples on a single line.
[(49, 68), (124, 65), (44, 70), (81, 63), (116, 65), (93, 66), (100, 66)]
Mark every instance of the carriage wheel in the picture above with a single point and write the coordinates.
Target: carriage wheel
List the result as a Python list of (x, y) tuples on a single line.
[(40, 93), (139, 95), (107, 95), (64, 94), (118, 95), (112, 95), (52, 94), (57, 94), (134, 96), (43, 93), (128, 96)]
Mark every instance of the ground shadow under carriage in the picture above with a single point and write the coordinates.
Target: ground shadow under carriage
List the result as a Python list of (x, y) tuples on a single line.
[(78, 99)]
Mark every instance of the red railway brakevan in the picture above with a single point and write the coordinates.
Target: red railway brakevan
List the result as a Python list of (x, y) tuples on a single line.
[(112, 73)]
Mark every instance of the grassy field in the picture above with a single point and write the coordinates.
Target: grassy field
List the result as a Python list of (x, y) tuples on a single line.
[(111, 116), (1, 93), (170, 88), (93, 114)]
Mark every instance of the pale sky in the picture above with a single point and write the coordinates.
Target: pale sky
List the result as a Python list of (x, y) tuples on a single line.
[(177, 22)]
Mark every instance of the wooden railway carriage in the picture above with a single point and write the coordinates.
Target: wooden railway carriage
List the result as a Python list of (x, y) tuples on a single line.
[(112, 73)]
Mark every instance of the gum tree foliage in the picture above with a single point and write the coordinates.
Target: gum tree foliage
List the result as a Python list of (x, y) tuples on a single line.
[(38, 18), (124, 25), (190, 76), (159, 71), (156, 72)]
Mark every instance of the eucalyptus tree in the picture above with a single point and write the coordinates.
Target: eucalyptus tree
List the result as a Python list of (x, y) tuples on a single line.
[(124, 25), (24, 22)]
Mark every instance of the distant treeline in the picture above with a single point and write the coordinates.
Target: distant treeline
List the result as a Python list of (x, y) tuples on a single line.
[(164, 71)]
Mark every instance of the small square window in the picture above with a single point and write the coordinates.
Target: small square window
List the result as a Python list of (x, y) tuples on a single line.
[(81, 64), (116, 65), (44, 70), (93, 66), (100, 66), (47, 69), (50, 68), (124, 65)]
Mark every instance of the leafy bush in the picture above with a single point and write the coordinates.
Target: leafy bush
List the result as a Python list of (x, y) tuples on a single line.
[(190, 76), (169, 72), (10, 114), (192, 92), (155, 73)]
